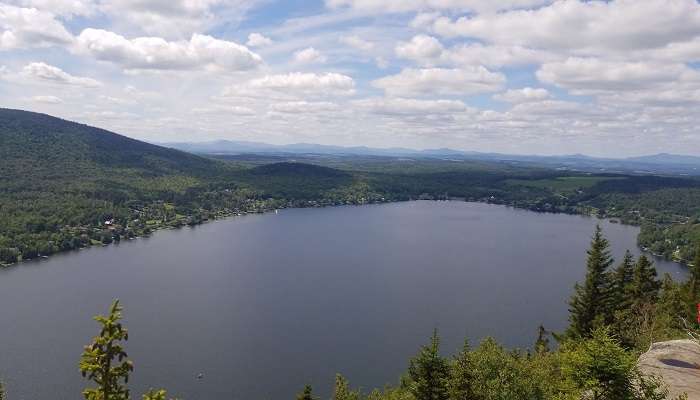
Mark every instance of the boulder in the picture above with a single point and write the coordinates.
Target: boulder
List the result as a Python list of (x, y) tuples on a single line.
[(677, 362)]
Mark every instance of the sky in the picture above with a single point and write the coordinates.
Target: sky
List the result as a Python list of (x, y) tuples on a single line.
[(604, 78)]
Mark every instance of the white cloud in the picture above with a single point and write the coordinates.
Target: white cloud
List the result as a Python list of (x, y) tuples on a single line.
[(309, 55), (258, 40), (67, 8), (303, 107), (307, 82), (28, 27), (585, 28), (439, 81), (523, 95), (48, 73), (357, 43), (428, 51), (175, 18), (225, 110), (403, 106), (422, 48), (592, 75), (398, 6), (201, 51), (46, 99)]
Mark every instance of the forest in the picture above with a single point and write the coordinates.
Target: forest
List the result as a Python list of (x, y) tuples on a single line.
[(66, 186), (614, 315)]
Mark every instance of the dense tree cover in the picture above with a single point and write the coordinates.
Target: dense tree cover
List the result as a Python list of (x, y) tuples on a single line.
[(66, 186)]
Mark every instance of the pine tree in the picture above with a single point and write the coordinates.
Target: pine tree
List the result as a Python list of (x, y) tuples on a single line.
[(462, 377), (588, 304), (671, 304), (645, 286), (104, 360), (306, 394), (693, 285), (542, 343), (429, 372), (341, 390), (621, 281)]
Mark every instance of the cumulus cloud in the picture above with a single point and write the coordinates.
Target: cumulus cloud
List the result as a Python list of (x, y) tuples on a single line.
[(67, 8), (43, 72), (523, 95), (585, 28), (303, 107), (404, 106), (258, 40), (309, 55), (46, 99), (441, 81), (154, 53), (306, 81), (429, 51), (28, 27), (592, 75), (241, 111), (175, 18), (422, 48)]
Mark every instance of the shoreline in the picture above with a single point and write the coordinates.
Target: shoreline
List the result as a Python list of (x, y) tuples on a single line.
[(231, 214)]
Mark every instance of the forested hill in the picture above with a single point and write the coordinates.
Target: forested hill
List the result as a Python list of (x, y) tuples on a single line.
[(38, 143), (65, 185)]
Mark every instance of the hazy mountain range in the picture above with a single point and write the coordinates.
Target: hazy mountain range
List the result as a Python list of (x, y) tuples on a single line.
[(658, 163)]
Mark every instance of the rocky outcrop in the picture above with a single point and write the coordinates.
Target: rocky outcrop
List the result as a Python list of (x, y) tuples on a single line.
[(677, 362)]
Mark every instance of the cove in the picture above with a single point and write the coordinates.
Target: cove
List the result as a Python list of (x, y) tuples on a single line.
[(263, 304)]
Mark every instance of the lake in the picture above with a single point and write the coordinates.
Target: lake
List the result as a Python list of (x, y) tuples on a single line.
[(263, 304)]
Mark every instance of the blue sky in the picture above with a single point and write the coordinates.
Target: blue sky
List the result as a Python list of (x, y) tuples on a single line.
[(607, 78)]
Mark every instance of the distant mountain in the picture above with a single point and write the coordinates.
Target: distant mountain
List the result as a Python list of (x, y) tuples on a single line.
[(665, 158), (653, 164)]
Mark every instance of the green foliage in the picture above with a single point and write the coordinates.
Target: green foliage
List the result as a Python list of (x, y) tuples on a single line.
[(104, 361), (342, 391), (588, 306), (645, 286), (155, 395), (306, 394), (462, 375), (428, 372), (2, 392), (599, 368)]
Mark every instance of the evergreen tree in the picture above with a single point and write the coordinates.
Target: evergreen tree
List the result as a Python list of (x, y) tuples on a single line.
[(341, 390), (587, 306), (645, 286), (461, 385), (621, 282), (104, 360), (306, 394), (600, 369), (542, 342), (693, 285), (429, 372), (671, 305), (2, 391)]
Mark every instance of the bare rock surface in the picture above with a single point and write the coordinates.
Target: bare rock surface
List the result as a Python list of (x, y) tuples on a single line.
[(677, 362)]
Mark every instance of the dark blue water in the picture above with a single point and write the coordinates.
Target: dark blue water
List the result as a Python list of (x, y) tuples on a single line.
[(263, 304)]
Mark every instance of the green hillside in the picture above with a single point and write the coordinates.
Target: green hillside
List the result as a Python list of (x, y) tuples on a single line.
[(65, 185)]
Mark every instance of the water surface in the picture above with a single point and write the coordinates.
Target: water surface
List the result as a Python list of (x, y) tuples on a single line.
[(263, 304)]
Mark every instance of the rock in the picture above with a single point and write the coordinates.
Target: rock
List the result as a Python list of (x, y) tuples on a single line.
[(677, 362)]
